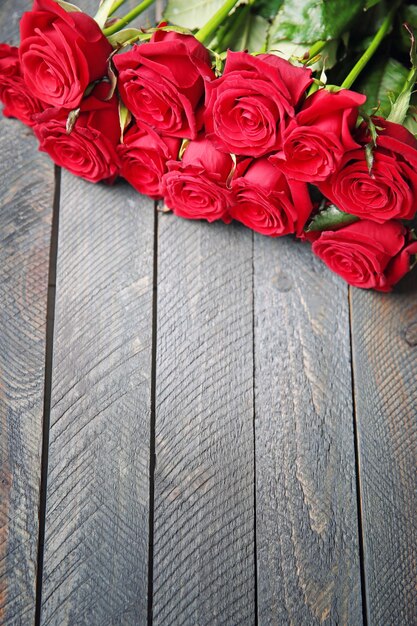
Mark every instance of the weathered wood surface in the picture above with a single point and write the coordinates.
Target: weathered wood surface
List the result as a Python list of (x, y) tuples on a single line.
[(204, 491), (96, 544), (384, 333), (307, 528), (26, 201), (205, 442), (97, 517)]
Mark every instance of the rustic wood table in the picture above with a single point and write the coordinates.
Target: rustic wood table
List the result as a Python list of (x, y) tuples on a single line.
[(199, 425)]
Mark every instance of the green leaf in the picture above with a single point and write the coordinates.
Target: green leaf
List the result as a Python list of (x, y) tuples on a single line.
[(371, 3), (382, 84), (191, 13), (69, 8), (125, 117), (127, 36), (307, 21), (268, 8), (325, 61), (103, 12), (331, 218), (410, 121), (401, 105), (243, 30)]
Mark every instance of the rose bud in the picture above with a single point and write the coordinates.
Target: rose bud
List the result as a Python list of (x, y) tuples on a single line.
[(162, 82), (17, 99), (61, 53), (366, 254), (196, 187), (249, 106), (390, 190), (269, 203), (143, 158), (90, 149), (315, 141)]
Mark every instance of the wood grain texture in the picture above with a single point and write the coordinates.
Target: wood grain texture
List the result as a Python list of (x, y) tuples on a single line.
[(96, 545), (26, 201), (204, 506), (97, 514), (307, 533), (384, 336)]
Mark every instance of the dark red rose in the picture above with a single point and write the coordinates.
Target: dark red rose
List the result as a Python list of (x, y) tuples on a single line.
[(269, 203), (196, 187), (61, 53), (143, 158), (90, 150), (366, 254), (321, 133), (390, 190), (17, 99), (162, 82), (250, 105)]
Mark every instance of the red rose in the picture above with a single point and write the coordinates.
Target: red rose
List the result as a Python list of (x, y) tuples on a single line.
[(143, 159), (316, 140), (269, 203), (196, 187), (61, 53), (249, 106), (367, 255), (162, 82), (390, 190), (18, 101), (90, 150)]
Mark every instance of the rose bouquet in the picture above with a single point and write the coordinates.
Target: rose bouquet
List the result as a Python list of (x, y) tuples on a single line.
[(248, 116)]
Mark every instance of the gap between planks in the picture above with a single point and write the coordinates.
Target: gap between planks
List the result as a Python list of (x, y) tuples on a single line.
[(50, 319)]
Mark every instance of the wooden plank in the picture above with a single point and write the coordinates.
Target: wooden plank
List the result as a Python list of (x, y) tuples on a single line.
[(26, 201), (384, 336), (307, 534), (97, 517), (204, 479), (96, 545)]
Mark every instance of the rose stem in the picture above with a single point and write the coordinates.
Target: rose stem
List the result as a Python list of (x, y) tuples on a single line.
[(217, 19), (116, 5), (124, 21), (370, 51), (315, 50)]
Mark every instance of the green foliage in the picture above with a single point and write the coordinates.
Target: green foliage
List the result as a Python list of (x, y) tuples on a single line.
[(268, 8), (191, 13), (330, 218), (243, 30), (382, 83), (307, 21)]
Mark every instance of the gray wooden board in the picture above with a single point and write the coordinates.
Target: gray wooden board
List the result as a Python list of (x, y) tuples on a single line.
[(204, 489), (384, 330), (307, 531), (96, 544), (26, 200)]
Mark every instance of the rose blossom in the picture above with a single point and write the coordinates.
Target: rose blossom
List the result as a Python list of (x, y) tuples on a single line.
[(196, 187), (89, 150), (269, 203), (366, 254), (249, 106), (143, 158), (61, 53), (162, 82), (17, 99), (390, 190), (315, 141)]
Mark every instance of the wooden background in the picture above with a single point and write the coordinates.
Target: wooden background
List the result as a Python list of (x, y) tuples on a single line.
[(199, 425)]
